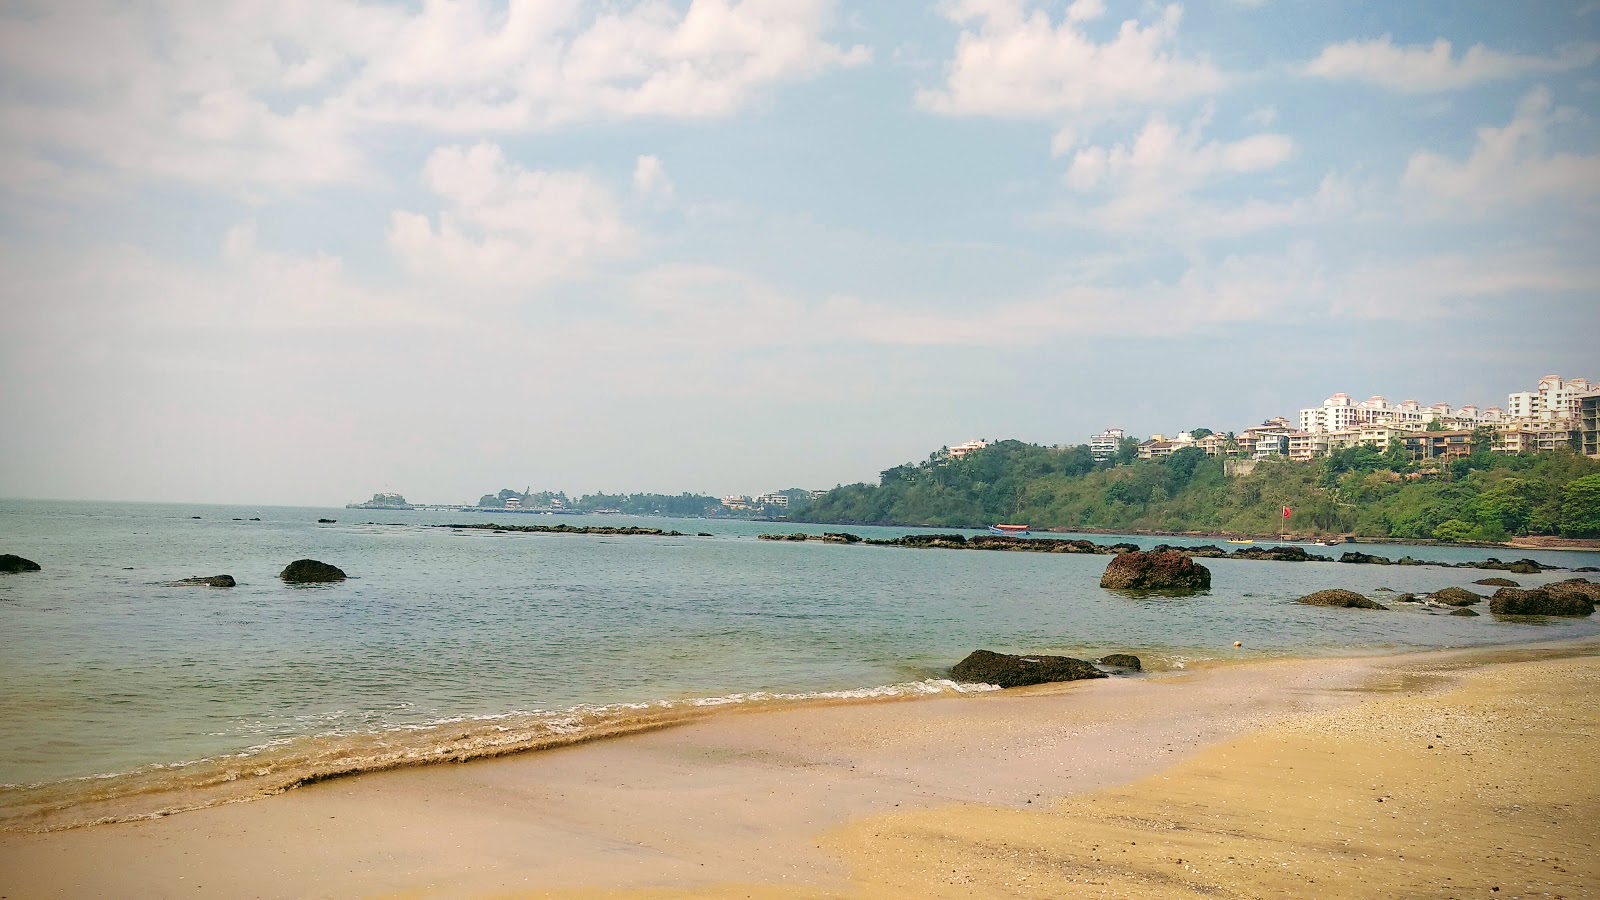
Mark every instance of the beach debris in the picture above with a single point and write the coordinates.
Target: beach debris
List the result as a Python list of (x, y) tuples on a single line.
[(1454, 596), (311, 571), (1139, 571), (1497, 582), (1238, 644), (209, 580), (1549, 600), (1121, 661), (10, 562), (1008, 671), (1340, 598)]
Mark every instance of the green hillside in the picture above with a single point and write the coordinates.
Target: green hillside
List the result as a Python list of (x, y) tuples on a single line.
[(1362, 491)]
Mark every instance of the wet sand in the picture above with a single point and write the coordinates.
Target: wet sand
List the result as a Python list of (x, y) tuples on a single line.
[(1259, 777)]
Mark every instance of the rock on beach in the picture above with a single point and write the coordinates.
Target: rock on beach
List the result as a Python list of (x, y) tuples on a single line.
[(1454, 596), (1168, 570), (1340, 598), (10, 562), (1008, 671), (1122, 661), (311, 571), (1549, 600)]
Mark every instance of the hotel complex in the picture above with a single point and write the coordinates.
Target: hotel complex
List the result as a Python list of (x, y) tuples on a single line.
[(1559, 414)]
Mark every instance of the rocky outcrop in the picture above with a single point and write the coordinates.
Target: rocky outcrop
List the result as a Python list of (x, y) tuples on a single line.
[(1497, 582), (326, 521), (10, 562), (1279, 554), (1168, 571), (1122, 661), (841, 537), (209, 580), (1463, 611), (1007, 671), (1540, 602), (1582, 587), (1355, 556), (1454, 596), (1340, 598), (1203, 551), (311, 571)]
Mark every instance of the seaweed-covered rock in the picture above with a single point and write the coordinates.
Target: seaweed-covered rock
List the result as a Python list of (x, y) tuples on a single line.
[(311, 571), (209, 580), (1357, 557), (1463, 611), (1583, 587), (1165, 571), (841, 537), (1497, 582), (1408, 598), (1204, 551), (1454, 596), (10, 562), (1340, 598), (1525, 567), (1007, 671), (1122, 661), (1540, 602)]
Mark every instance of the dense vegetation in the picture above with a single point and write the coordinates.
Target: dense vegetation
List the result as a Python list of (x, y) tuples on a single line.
[(1363, 491), (683, 505)]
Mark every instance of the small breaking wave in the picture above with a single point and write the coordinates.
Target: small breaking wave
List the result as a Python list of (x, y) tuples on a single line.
[(283, 764)]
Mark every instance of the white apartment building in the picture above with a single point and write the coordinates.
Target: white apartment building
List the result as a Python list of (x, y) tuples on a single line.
[(1555, 400), (773, 500), (1103, 446), (1339, 413)]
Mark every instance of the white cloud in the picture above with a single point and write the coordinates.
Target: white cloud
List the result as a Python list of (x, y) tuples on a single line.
[(1509, 166), (244, 93), (650, 177), (1420, 69), (1012, 61), (1262, 116), (505, 225), (1156, 173)]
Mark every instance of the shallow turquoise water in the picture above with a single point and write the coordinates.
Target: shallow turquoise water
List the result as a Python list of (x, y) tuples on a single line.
[(106, 669)]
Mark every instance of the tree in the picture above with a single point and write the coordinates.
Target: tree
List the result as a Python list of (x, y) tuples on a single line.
[(1580, 507), (1127, 451), (1200, 433), (1435, 425), (1482, 439), (1453, 531)]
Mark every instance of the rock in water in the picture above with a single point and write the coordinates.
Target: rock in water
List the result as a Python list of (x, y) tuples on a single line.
[(1340, 598), (1540, 602), (326, 521), (1454, 596), (1122, 661), (1497, 582), (1463, 611), (1366, 559), (209, 580), (310, 571), (1008, 671), (10, 562), (1170, 570)]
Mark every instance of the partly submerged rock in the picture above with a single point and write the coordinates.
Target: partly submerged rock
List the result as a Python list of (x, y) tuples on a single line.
[(1340, 598), (1007, 671), (1497, 582), (1121, 661), (10, 562), (1280, 554), (1454, 596), (209, 580), (1583, 587), (326, 521), (1463, 611), (311, 571), (1355, 556), (1166, 571), (1540, 602)]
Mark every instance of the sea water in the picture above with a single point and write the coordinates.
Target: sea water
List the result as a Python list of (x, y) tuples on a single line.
[(123, 694)]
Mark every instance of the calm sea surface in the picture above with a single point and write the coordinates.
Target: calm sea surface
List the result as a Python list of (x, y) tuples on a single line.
[(504, 641)]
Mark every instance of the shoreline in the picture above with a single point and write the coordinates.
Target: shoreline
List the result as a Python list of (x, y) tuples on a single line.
[(738, 798)]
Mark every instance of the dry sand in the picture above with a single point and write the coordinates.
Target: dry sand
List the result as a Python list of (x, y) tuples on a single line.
[(1264, 779)]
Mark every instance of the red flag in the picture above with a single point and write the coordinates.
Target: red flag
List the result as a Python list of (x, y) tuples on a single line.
[(1286, 512)]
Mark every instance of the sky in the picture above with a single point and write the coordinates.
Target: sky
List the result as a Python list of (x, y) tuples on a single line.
[(301, 251)]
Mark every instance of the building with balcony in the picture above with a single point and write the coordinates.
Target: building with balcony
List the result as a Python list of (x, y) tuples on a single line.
[(970, 447), (1103, 446), (1438, 444), (1589, 423), (1554, 400)]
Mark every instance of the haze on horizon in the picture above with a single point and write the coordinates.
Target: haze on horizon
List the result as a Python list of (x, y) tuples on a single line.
[(301, 252)]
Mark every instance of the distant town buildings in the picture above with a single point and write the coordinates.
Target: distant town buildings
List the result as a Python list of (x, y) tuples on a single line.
[(1559, 414)]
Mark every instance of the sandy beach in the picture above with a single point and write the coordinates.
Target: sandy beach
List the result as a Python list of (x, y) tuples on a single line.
[(1442, 774)]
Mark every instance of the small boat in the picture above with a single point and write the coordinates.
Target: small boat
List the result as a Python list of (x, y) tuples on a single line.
[(1013, 530), (1244, 541)]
